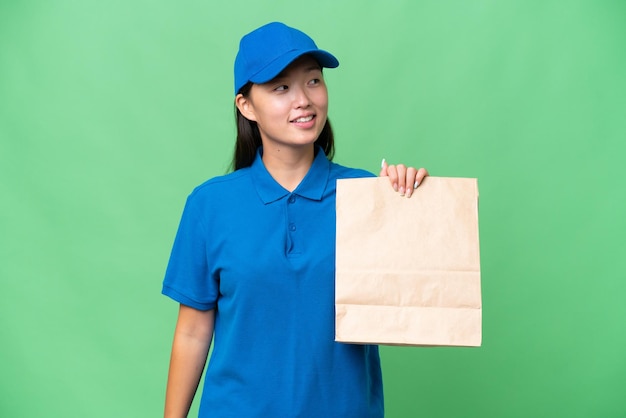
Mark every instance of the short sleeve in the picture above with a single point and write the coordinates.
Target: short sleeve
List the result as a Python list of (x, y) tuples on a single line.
[(187, 278)]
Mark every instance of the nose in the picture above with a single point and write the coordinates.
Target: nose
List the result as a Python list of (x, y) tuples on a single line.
[(301, 98)]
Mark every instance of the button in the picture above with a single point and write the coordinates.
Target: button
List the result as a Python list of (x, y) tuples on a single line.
[(292, 227), (292, 199)]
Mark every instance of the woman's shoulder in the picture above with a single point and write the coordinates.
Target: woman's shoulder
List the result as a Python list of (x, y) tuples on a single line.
[(338, 171), (219, 185)]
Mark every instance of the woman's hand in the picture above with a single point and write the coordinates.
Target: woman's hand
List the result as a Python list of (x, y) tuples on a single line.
[(403, 179)]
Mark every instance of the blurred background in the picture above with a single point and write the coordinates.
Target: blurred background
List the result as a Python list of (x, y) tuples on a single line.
[(111, 112)]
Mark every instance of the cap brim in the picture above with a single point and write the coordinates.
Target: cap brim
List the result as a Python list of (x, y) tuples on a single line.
[(324, 58)]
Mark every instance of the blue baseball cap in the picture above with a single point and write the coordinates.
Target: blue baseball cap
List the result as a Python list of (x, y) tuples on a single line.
[(268, 50)]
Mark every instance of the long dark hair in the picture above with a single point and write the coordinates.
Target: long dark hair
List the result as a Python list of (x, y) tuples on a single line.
[(249, 138)]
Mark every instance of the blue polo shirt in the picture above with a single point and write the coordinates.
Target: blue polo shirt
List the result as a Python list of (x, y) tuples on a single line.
[(264, 258)]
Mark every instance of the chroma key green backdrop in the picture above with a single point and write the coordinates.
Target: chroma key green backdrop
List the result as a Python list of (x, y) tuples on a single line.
[(112, 111)]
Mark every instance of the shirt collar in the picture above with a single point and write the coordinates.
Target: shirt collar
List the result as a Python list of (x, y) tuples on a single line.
[(311, 187)]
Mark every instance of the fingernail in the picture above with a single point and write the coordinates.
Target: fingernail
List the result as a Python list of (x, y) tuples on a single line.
[(382, 163), (417, 183), (395, 187), (401, 191)]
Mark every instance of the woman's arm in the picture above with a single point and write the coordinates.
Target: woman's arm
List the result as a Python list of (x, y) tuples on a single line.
[(403, 179), (192, 339)]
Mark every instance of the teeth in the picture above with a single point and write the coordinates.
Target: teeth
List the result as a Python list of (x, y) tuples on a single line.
[(308, 118)]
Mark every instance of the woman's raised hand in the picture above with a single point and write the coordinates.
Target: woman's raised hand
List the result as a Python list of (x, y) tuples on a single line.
[(403, 179)]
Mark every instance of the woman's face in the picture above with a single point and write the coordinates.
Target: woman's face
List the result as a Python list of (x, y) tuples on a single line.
[(291, 109)]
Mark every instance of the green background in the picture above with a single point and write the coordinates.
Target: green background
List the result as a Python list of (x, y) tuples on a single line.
[(112, 111)]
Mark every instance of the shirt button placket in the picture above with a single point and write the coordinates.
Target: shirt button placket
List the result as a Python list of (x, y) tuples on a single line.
[(292, 225)]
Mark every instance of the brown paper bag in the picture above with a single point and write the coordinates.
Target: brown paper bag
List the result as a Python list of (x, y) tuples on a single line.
[(408, 270)]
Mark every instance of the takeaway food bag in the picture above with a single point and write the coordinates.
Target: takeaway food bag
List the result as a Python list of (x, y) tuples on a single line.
[(408, 270)]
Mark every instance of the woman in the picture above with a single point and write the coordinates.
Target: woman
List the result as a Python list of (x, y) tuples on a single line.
[(253, 261)]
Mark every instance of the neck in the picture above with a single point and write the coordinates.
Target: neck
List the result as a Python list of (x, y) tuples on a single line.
[(288, 166)]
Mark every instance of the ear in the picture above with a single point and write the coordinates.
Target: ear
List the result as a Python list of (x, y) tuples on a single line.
[(245, 107)]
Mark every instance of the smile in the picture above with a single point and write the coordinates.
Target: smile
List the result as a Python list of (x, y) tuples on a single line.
[(304, 119)]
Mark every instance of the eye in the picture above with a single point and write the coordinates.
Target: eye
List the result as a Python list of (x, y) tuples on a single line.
[(315, 81), (282, 87)]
